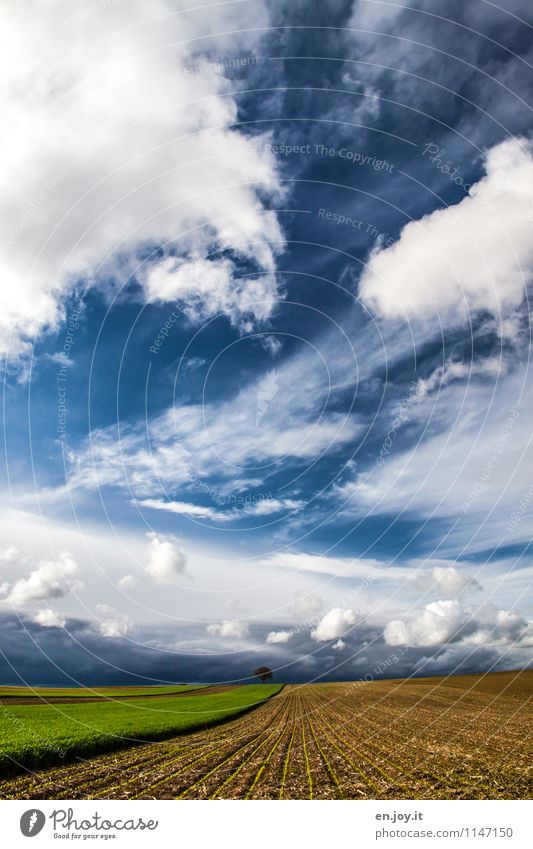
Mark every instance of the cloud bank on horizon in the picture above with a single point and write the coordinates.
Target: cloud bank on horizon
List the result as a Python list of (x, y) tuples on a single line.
[(265, 332)]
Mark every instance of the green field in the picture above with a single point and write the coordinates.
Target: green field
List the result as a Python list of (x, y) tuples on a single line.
[(92, 692), (38, 735)]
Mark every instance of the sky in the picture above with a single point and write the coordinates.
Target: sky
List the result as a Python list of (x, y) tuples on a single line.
[(265, 340)]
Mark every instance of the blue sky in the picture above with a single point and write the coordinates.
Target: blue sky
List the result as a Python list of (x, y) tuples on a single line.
[(265, 340)]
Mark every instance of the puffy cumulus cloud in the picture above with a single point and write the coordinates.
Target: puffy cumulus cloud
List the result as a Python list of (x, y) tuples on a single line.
[(50, 579), (49, 618), (438, 623), (165, 558), (495, 626), (476, 255), (204, 288), (333, 624), (114, 146), (10, 554), (229, 629), (339, 645), (447, 581), (456, 659), (128, 582), (279, 636), (447, 621), (160, 651), (306, 605), (111, 623)]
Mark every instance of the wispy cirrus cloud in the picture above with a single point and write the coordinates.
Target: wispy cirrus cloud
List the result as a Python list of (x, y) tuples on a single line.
[(262, 505), (219, 441)]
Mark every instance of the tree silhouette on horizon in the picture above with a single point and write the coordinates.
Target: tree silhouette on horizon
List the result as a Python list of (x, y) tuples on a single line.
[(263, 673)]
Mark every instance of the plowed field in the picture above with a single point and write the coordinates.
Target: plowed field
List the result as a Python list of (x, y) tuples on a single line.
[(462, 738)]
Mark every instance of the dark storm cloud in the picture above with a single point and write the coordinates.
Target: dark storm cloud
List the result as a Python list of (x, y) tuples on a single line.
[(77, 655)]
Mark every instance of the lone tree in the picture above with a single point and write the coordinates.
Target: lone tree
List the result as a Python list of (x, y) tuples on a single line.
[(263, 673)]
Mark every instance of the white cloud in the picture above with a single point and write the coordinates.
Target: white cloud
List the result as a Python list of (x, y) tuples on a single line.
[(10, 554), (192, 443), (113, 146), (205, 288), (447, 581), (279, 636), (229, 629), (475, 255), (438, 623), (60, 358), (495, 626), (306, 605), (271, 344), (264, 506), (492, 367), (339, 567), (112, 624), (334, 624), (339, 645), (49, 618), (199, 447), (471, 463), (444, 621), (50, 579), (165, 559), (182, 508), (128, 582), (269, 506)]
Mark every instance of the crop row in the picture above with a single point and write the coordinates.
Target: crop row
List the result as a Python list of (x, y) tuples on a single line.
[(322, 741)]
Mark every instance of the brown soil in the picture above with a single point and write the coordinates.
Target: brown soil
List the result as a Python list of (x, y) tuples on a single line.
[(431, 739)]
